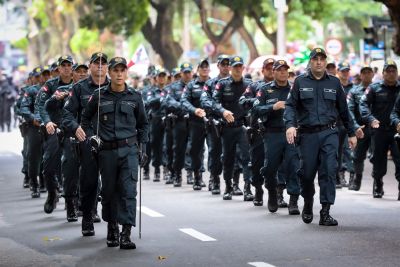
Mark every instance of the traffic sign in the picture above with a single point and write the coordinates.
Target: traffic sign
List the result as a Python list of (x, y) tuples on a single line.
[(333, 46)]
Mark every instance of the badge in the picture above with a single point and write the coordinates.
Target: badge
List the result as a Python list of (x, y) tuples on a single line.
[(105, 117), (270, 91)]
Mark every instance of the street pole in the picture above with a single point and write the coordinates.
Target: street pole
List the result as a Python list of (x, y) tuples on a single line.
[(280, 6)]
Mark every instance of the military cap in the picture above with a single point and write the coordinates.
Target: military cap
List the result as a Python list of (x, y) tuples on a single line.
[(65, 58), (77, 66), (280, 63), (389, 63), (236, 60), (222, 58), (343, 66), (54, 66), (366, 66), (175, 71), (97, 55), (331, 63), (37, 71), (161, 71), (115, 61), (203, 60), (317, 51), (186, 66), (30, 74), (268, 61), (46, 68)]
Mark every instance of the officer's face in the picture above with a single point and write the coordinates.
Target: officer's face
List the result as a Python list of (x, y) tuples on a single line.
[(45, 76), (161, 79), (268, 72), (344, 74), (79, 74), (118, 75), (318, 64), (390, 75), (366, 76), (281, 74), (237, 70), (176, 77), (65, 69), (98, 68), (224, 67), (55, 73), (36, 79), (187, 76), (331, 69), (204, 70)]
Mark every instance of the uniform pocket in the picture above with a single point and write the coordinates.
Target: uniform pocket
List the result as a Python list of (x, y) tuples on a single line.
[(128, 110), (306, 93), (330, 94), (106, 112)]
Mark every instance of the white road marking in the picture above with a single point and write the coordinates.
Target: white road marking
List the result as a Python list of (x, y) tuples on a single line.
[(150, 212), (261, 264), (197, 234)]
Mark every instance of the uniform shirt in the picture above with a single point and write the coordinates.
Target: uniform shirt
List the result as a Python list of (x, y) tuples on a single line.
[(206, 99), (154, 99), (268, 95), (17, 107), (29, 103), (353, 102), (122, 114), (191, 98), (347, 87), (247, 101), (313, 102), (77, 101), (378, 102), (227, 93), (47, 90), (55, 106), (173, 98)]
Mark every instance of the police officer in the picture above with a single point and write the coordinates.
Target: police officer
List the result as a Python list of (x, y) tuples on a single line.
[(331, 68), (227, 93), (54, 71), (197, 129), (89, 174), (271, 103), (314, 103), (180, 131), (155, 97), (213, 137), (376, 106), (8, 96), (122, 126), (353, 101)]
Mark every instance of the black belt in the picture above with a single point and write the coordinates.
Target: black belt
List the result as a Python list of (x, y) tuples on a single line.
[(119, 143), (275, 129), (318, 128)]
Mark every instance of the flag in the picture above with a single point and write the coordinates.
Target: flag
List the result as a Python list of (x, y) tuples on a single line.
[(139, 57)]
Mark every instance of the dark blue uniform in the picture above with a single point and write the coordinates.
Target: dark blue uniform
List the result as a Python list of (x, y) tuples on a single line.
[(377, 103), (122, 126), (146, 169), (314, 106)]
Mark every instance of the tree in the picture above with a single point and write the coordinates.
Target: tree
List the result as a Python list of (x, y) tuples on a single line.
[(394, 12)]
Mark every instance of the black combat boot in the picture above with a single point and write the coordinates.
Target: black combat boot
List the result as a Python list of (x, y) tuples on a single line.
[(236, 189), (338, 184), (125, 238), (25, 183), (165, 173), (292, 207), (228, 190), (146, 175), (156, 174), (342, 178), (197, 181), (170, 178), (307, 213), (51, 201), (87, 225), (189, 177), (272, 200), (281, 200), (248, 195), (178, 179), (210, 182), (42, 184), (95, 215), (35, 192), (71, 210), (377, 190), (258, 197), (351, 179), (356, 185), (202, 183), (325, 218), (112, 234), (215, 190)]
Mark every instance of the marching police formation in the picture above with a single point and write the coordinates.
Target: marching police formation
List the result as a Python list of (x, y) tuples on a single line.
[(87, 133)]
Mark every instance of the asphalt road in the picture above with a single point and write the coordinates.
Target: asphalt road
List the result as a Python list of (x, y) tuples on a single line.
[(181, 227)]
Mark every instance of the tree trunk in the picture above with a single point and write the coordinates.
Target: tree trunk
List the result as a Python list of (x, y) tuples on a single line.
[(394, 11), (248, 39)]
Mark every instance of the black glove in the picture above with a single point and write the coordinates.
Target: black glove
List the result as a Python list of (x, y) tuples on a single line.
[(143, 159)]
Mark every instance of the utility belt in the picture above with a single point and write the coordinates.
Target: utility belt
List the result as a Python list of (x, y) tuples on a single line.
[(106, 145), (317, 129)]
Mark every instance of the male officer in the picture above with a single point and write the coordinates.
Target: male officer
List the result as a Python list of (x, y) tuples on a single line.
[(155, 97), (51, 147), (331, 68), (271, 103), (122, 127), (353, 101), (213, 137), (180, 134), (227, 93), (376, 107), (89, 176), (197, 129), (314, 103)]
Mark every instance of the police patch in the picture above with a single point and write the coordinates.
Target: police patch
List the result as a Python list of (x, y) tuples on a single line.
[(270, 91), (256, 102)]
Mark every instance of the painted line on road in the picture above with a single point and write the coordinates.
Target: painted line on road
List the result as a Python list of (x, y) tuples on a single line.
[(197, 234), (150, 212), (261, 264)]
